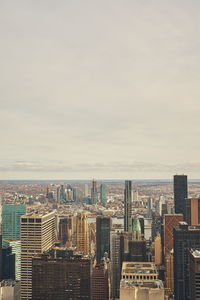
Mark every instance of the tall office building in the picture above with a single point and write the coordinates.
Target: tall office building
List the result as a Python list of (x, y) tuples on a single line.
[(169, 222), (38, 234), (185, 238), (193, 211), (103, 197), (61, 274), (158, 250), (149, 207), (194, 267), (65, 229), (82, 241), (116, 258), (103, 228), (15, 249), (169, 273), (128, 206), (94, 193), (180, 194), (100, 282), (11, 215)]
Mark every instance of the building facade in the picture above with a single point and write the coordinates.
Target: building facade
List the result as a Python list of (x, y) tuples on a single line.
[(180, 194), (128, 206), (103, 228), (61, 274), (38, 234)]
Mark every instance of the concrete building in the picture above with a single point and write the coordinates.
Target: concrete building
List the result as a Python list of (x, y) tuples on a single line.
[(169, 222), (140, 282), (194, 267), (38, 234), (148, 290), (193, 211), (185, 238), (9, 290), (139, 271), (116, 258), (158, 250), (61, 274), (100, 284), (128, 206), (82, 241)]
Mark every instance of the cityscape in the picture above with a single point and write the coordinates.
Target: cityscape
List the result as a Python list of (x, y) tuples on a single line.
[(99, 150), (100, 240)]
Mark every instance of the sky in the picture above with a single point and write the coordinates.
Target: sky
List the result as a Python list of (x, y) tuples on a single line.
[(99, 89)]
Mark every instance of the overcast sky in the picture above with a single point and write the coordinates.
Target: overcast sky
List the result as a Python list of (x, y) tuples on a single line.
[(103, 89)]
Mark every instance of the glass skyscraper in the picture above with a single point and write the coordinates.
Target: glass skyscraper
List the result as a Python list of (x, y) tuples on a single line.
[(11, 215)]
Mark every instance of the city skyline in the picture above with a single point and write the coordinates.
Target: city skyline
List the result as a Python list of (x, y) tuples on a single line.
[(108, 90)]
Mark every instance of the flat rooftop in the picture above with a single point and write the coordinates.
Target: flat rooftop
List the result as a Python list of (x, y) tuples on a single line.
[(129, 284), (138, 268)]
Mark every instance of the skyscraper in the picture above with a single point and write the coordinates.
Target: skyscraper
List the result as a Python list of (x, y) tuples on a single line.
[(194, 267), (16, 250), (11, 215), (193, 211), (169, 222), (103, 227), (38, 234), (103, 197), (116, 257), (180, 194), (94, 193), (100, 282), (185, 238), (128, 206), (82, 233), (60, 274)]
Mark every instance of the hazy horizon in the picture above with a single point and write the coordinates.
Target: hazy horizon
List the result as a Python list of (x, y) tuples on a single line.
[(99, 89)]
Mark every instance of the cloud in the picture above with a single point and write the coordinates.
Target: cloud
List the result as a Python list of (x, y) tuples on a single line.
[(122, 167)]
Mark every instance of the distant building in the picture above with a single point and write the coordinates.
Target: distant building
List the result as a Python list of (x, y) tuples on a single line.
[(38, 234), (61, 274), (103, 228), (180, 194), (156, 224), (185, 238), (82, 240), (193, 211), (11, 215), (194, 264), (128, 206), (149, 207), (103, 197), (94, 192)]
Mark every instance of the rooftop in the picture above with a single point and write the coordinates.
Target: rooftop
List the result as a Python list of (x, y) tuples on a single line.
[(128, 284)]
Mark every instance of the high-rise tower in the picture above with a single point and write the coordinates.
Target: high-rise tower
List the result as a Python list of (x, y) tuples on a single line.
[(94, 193), (38, 234), (103, 227), (82, 233), (103, 197), (128, 206), (185, 238), (180, 194)]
